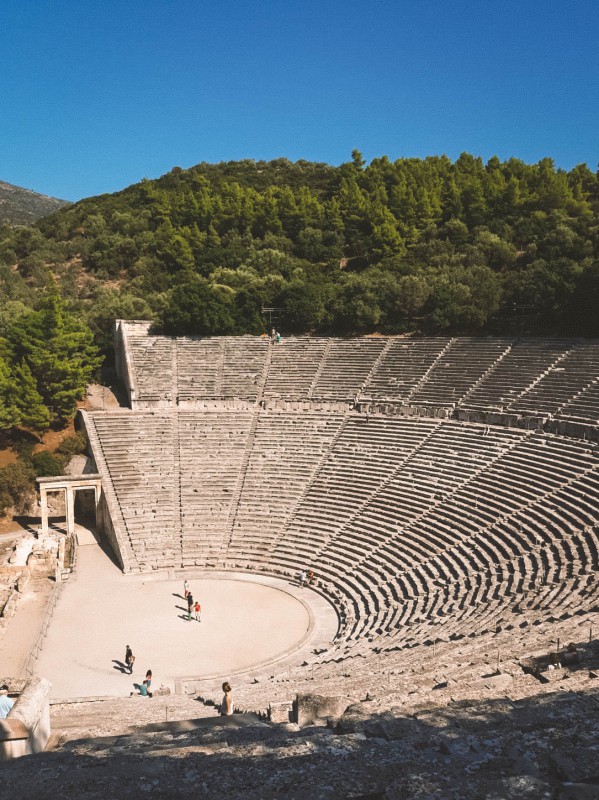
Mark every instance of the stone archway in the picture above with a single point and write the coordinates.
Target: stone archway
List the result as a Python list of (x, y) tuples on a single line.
[(69, 485)]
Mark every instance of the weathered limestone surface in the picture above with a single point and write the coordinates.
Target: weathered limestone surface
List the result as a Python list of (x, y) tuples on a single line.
[(314, 707), (495, 750), (27, 727)]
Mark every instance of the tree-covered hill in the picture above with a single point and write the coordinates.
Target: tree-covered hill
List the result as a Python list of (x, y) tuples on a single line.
[(426, 245), (430, 245), (23, 207)]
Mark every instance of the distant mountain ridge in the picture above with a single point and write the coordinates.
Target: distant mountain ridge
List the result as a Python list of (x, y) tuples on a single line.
[(20, 206)]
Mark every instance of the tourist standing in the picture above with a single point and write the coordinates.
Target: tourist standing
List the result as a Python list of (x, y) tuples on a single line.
[(189, 604), (226, 706), (185, 588), (129, 659)]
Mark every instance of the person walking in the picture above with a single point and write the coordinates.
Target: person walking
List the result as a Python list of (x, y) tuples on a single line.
[(189, 604), (197, 608), (129, 659)]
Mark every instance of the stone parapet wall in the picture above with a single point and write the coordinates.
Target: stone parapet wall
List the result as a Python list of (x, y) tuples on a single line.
[(391, 409), (215, 404), (306, 405), (578, 430), (26, 730), (123, 358)]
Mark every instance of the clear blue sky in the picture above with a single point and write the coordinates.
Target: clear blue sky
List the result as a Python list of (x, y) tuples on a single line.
[(97, 94)]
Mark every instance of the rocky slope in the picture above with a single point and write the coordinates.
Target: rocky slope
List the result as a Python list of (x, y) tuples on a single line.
[(22, 206)]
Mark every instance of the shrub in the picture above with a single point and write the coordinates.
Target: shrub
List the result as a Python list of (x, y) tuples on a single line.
[(46, 463), (16, 487), (73, 445)]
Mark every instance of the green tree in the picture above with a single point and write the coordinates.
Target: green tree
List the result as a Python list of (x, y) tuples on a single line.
[(9, 413), (305, 305), (464, 299), (33, 413), (412, 294), (58, 349), (197, 307), (357, 160), (16, 487)]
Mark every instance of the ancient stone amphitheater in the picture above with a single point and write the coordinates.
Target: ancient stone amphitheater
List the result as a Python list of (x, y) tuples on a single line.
[(445, 492)]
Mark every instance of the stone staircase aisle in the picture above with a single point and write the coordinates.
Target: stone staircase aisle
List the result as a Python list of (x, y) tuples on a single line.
[(241, 478)]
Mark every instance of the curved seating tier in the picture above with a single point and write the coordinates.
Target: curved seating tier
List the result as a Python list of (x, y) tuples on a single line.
[(137, 457), (415, 527), (515, 372), (555, 391), (538, 378), (152, 367)]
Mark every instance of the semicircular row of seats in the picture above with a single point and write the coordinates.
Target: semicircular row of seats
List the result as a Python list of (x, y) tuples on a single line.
[(525, 377), (416, 528)]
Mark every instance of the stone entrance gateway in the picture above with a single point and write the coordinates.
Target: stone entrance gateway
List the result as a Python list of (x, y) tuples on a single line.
[(69, 485)]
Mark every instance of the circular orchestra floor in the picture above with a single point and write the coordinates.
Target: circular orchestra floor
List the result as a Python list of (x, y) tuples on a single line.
[(248, 623)]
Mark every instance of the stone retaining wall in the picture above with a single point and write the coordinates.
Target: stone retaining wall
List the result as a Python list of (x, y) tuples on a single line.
[(26, 730)]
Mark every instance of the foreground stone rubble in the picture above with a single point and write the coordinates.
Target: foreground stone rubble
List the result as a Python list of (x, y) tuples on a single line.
[(544, 746)]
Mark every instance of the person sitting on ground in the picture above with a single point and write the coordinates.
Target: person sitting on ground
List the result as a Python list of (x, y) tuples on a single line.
[(6, 703), (142, 690), (226, 706)]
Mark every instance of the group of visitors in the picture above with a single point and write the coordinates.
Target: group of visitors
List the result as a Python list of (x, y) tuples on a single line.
[(143, 689), (306, 578), (275, 336), (192, 605)]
